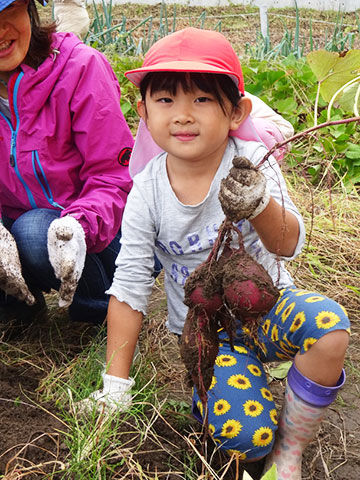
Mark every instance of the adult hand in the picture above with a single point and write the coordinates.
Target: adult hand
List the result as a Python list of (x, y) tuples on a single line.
[(243, 193), (67, 252), (115, 395), (11, 279)]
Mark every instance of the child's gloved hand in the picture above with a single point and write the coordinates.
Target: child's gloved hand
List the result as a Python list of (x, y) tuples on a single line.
[(115, 395), (243, 193), (11, 279), (67, 252)]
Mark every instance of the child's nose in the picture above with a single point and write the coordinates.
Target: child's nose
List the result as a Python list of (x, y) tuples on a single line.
[(183, 116)]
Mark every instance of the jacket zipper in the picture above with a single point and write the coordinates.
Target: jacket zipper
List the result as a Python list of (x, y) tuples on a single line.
[(45, 188), (13, 159)]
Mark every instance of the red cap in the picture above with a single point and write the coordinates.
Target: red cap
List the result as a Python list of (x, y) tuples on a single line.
[(191, 50)]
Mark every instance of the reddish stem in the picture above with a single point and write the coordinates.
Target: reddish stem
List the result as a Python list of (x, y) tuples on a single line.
[(306, 132)]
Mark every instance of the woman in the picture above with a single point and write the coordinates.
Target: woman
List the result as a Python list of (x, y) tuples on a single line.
[(64, 149)]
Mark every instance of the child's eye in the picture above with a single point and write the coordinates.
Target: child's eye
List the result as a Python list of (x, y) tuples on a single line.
[(164, 100), (203, 99)]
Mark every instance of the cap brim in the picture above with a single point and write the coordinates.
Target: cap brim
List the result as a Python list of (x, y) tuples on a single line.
[(6, 3), (136, 76)]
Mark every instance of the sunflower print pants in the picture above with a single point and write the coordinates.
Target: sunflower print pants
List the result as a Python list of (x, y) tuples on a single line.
[(241, 411)]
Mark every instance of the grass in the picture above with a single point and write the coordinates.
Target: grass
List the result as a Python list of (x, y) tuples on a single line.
[(158, 438), (159, 423)]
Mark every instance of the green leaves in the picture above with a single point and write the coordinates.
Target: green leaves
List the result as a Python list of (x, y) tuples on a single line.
[(280, 371), (334, 72), (270, 474)]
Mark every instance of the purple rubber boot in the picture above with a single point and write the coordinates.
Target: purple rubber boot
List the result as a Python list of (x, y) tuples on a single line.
[(304, 408)]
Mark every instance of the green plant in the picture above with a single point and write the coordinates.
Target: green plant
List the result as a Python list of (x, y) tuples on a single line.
[(292, 43), (138, 39), (291, 87), (271, 474)]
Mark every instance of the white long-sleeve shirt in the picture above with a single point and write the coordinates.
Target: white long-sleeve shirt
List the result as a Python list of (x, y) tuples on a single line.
[(155, 221)]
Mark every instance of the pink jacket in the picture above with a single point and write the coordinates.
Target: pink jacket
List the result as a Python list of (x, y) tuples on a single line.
[(67, 146)]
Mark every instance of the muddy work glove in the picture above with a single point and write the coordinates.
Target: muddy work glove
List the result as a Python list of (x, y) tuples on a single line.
[(11, 279), (243, 193), (67, 252), (115, 395)]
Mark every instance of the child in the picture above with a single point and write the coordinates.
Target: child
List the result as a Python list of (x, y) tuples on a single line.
[(192, 93)]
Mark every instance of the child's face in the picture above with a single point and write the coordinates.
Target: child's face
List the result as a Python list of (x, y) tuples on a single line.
[(190, 126)]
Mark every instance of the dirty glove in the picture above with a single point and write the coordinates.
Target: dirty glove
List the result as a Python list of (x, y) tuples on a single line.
[(243, 193), (11, 279), (115, 395), (67, 252)]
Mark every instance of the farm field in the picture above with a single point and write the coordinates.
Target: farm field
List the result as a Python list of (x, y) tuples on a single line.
[(47, 369)]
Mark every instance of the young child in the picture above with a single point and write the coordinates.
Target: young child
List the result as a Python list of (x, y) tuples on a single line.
[(193, 104)]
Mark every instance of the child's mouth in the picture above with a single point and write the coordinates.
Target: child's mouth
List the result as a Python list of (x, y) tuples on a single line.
[(185, 137)]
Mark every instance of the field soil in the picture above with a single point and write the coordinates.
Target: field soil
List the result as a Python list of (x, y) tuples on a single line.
[(33, 441), (33, 434)]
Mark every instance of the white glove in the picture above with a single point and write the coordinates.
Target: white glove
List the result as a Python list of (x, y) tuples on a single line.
[(67, 252), (11, 279), (115, 395), (243, 193)]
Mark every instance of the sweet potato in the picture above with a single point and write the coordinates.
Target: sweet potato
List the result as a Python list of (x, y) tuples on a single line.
[(248, 288), (199, 347), (229, 287)]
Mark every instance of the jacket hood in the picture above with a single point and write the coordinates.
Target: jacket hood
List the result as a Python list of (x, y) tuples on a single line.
[(47, 74)]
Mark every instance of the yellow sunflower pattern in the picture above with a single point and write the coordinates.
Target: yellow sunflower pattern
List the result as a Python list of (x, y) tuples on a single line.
[(265, 392), (239, 349), (239, 381), (237, 454), (283, 356), (280, 306), (308, 343), (275, 333), (231, 428), (254, 369), (213, 382), (285, 348), (289, 344), (315, 298), (299, 319), (221, 407), (253, 408), (262, 348), (262, 437), (242, 414), (326, 320), (200, 408), (266, 326), (225, 360), (287, 311), (273, 416)]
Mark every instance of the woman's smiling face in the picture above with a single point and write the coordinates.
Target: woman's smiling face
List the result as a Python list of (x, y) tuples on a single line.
[(15, 34)]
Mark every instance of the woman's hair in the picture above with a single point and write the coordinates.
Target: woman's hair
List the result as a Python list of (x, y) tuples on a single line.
[(41, 38), (219, 85)]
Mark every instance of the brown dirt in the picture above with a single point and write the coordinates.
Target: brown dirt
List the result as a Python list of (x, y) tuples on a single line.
[(30, 431), (241, 24), (31, 443)]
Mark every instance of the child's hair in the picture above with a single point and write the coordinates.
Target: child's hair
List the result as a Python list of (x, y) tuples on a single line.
[(217, 84)]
